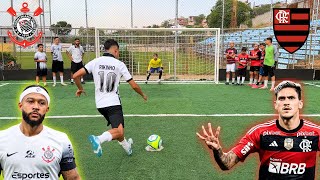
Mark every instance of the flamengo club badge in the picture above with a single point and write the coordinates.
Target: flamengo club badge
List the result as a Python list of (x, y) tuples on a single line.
[(288, 143), (25, 26), (291, 27)]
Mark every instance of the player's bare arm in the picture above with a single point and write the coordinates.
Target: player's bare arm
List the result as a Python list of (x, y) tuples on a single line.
[(137, 88), (76, 77), (69, 55), (225, 160), (71, 175)]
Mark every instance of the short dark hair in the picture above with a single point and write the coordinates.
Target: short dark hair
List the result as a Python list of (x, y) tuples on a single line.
[(262, 44), (77, 39), (55, 37), (269, 38), (155, 54), (109, 43), (35, 86), (288, 84), (243, 49), (39, 45)]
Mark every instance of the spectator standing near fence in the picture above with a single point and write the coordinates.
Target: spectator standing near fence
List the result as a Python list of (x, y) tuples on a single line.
[(57, 61), (255, 62), (230, 55), (270, 59)]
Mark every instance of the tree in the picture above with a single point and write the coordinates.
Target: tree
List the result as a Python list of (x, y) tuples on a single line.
[(244, 14), (198, 19), (166, 24), (61, 28), (91, 35)]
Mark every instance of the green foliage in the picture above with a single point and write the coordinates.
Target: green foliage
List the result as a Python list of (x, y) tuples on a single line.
[(244, 14), (61, 28), (7, 57), (91, 35), (263, 9), (198, 19)]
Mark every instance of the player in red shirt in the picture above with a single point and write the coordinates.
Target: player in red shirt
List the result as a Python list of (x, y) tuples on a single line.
[(254, 57), (242, 60), (263, 52), (287, 146), (230, 55)]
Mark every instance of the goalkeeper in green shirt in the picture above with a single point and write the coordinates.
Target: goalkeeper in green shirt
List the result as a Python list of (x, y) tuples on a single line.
[(270, 61)]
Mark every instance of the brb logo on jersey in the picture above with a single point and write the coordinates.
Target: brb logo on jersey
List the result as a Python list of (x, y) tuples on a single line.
[(25, 26), (286, 168), (291, 27), (48, 155)]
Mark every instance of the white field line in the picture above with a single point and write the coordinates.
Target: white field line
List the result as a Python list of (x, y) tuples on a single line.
[(165, 115), (4, 84), (312, 84)]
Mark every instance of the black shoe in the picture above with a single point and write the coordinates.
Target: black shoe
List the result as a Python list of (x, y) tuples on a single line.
[(83, 82), (233, 83), (227, 83), (241, 84), (71, 82), (237, 84)]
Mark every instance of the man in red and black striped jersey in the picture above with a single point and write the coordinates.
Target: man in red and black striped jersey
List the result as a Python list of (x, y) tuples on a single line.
[(255, 62), (287, 146), (242, 61), (230, 55)]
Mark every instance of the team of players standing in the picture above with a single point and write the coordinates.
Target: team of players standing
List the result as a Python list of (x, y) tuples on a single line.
[(262, 60)]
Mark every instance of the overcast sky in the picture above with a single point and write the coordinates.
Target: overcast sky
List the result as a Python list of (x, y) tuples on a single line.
[(113, 13)]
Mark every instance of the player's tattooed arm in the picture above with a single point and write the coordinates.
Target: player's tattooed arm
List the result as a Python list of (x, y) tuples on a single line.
[(71, 175), (225, 160)]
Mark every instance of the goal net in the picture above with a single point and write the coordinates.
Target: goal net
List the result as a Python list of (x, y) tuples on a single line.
[(187, 54)]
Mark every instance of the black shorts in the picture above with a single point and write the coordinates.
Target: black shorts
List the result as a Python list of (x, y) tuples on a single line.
[(241, 72), (268, 70), (76, 66), (113, 115), (57, 66), (254, 68), (42, 72)]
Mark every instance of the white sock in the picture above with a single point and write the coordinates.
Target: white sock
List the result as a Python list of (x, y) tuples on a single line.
[(81, 79), (251, 79), (233, 79), (272, 84), (243, 78), (255, 81), (54, 79), (227, 79), (105, 137), (71, 80), (238, 79), (61, 79), (265, 83)]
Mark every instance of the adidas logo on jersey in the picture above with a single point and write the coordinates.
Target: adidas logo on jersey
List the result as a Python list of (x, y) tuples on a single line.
[(274, 144)]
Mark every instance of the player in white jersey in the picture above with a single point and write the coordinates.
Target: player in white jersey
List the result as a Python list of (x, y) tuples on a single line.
[(57, 61), (75, 53), (107, 71), (40, 58), (31, 150)]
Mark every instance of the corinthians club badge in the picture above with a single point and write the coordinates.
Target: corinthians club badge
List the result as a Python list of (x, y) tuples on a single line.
[(24, 26)]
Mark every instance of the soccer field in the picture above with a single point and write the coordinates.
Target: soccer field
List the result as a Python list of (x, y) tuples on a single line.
[(175, 112)]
